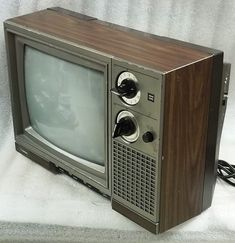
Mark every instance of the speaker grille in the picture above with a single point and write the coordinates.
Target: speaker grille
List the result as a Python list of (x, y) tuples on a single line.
[(134, 178)]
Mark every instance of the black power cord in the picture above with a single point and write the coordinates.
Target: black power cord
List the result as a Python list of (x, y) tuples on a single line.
[(226, 172)]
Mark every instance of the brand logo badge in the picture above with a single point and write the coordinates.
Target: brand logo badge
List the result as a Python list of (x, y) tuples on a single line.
[(151, 97)]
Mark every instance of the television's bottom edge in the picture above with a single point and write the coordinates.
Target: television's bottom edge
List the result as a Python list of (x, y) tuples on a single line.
[(53, 168), (45, 164), (148, 225)]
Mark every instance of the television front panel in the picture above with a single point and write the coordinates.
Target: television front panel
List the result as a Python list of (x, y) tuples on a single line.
[(62, 98)]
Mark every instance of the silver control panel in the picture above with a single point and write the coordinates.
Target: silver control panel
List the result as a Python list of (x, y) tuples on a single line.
[(136, 109)]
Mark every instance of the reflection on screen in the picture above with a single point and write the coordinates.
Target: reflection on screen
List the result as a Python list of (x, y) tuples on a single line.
[(66, 104)]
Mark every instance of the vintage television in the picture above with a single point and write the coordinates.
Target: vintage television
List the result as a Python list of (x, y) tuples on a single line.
[(133, 115)]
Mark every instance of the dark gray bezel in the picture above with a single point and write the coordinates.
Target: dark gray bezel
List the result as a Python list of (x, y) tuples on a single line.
[(97, 176)]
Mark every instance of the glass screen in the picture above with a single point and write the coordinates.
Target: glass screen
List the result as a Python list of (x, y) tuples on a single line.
[(66, 104)]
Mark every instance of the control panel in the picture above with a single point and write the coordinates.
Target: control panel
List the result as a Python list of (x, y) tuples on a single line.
[(136, 108)]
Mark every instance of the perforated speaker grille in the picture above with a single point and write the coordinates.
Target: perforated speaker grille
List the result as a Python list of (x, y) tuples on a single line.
[(134, 178)]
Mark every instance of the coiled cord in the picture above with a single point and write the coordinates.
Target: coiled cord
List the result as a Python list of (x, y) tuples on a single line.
[(226, 172)]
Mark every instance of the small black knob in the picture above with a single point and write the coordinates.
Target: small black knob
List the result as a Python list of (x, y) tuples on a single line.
[(127, 89), (124, 127), (147, 137)]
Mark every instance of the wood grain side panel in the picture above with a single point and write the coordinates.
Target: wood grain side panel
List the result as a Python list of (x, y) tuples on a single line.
[(187, 93), (139, 49), (212, 147)]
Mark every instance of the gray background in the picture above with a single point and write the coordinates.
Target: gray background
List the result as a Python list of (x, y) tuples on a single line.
[(28, 193)]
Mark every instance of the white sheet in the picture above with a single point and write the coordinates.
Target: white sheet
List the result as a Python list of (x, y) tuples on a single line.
[(31, 194)]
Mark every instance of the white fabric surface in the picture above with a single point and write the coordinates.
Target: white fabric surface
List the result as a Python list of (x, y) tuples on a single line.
[(29, 193)]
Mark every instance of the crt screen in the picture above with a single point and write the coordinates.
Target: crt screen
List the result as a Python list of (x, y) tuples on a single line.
[(66, 104)]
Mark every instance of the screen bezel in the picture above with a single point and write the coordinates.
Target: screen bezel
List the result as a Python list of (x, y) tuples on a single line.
[(68, 159)]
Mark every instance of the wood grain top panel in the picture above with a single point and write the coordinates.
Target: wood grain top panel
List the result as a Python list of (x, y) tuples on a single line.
[(143, 50)]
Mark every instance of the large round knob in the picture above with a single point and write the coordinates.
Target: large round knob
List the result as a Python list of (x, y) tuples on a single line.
[(127, 88), (124, 127)]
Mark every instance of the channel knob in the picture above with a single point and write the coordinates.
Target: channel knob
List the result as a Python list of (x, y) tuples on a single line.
[(127, 88), (124, 127)]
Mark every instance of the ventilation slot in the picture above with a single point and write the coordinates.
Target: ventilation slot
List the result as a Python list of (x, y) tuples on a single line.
[(134, 179)]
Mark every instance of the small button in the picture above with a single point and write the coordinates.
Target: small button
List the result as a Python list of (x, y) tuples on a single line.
[(147, 137)]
